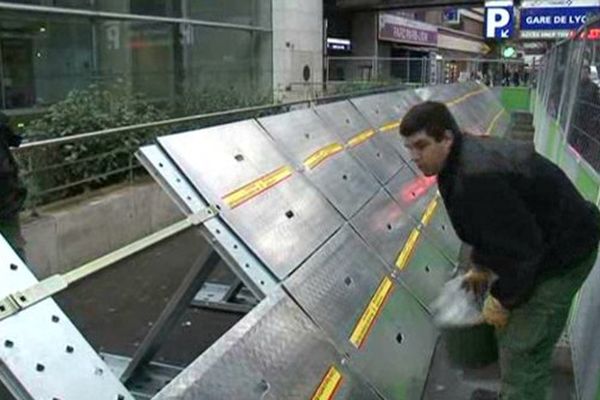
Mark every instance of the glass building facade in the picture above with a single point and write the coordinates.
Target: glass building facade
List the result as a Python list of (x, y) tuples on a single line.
[(165, 50)]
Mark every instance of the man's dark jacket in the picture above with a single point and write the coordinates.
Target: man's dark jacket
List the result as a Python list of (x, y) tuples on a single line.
[(12, 190), (521, 213)]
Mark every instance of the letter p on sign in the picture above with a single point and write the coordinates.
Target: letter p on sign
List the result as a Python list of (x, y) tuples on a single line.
[(498, 19)]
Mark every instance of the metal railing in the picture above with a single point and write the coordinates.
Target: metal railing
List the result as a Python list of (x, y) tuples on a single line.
[(59, 168), (53, 173), (569, 91), (423, 70)]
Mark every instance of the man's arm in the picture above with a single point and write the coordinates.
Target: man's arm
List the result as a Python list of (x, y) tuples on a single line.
[(506, 237)]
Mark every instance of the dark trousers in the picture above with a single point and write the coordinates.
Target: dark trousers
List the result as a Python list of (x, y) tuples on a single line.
[(527, 343)]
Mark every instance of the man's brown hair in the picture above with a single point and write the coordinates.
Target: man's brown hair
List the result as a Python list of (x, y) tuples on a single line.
[(433, 117)]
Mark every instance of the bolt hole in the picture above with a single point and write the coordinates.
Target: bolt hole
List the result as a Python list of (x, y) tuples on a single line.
[(264, 386), (120, 397), (348, 281), (307, 135), (218, 207), (443, 227), (40, 368), (247, 265), (178, 180), (389, 226), (23, 298), (235, 246), (239, 157), (160, 164), (70, 349), (13, 267), (427, 269), (218, 232), (347, 121), (189, 198), (262, 282), (9, 344), (2, 308), (289, 214), (55, 319), (379, 155), (345, 177), (400, 338)]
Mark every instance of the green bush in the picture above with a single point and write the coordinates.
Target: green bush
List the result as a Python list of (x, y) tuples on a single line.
[(88, 163), (210, 100)]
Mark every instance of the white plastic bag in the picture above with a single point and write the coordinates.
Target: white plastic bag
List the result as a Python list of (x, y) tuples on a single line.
[(455, 307)]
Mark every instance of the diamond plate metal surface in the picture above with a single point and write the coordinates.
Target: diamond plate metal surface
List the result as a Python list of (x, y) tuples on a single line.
[(283, 224), (42, 353), (442, 234), (336, 286), (375, 155), (396, 356), (376, 109), (402, 101), (275, 352), (412, 192), (385, 115), (302, 135), (384, 226), (427, 271), (234, 252)]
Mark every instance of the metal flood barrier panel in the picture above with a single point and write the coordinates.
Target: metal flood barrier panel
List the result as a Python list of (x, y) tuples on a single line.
[(321, 214), (356, 241), (42, 354), (275, 352)]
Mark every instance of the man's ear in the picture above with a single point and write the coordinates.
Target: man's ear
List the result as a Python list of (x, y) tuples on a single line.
[(448, 137)]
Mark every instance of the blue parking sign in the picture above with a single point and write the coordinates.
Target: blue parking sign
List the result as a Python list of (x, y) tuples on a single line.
[(499, 19)]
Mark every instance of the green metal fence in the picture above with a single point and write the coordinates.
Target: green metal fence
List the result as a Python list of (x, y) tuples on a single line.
[(566, 106)]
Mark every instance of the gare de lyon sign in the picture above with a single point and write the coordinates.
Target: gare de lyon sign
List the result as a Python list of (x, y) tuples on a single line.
[(540, 19)]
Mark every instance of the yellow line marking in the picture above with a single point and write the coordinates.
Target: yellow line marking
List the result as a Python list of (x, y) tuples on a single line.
[(329, 385), (407, 251), (460, 99), (257, 186), (365, 323), (322, 154), (390, 126), (429, 211), (494, 121), (361, 137)]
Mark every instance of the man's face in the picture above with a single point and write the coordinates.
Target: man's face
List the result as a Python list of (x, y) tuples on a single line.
[(429, 155)]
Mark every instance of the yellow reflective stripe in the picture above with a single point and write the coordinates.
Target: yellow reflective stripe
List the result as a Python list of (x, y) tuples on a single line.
[(494, 121), (361, 138), (407, 251), (464, 97), (366, 321), (390, 126), (329, 385), (322, 154), (429, 211), (258, 186)]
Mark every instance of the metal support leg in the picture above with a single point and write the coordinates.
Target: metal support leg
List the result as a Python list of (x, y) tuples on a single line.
[(234, 289), (222, 300), (193, 281)]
